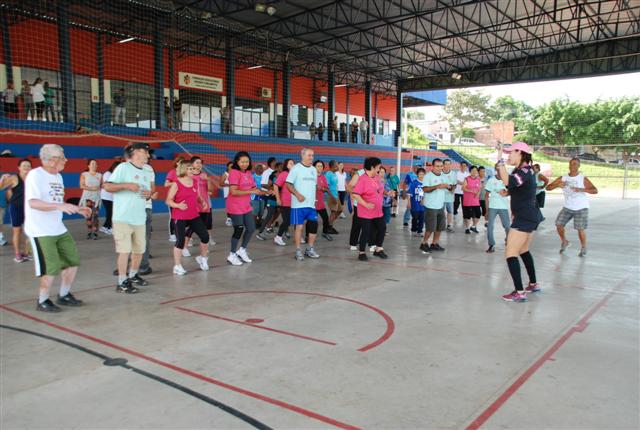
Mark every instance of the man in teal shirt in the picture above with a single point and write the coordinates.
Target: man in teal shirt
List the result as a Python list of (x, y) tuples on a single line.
[(393, 182), (333, 199), (435, 185), (130, 184)]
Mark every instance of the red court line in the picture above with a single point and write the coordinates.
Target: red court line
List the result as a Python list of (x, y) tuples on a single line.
[(184, 371), (388, 320), (287, 333), (579, 327)]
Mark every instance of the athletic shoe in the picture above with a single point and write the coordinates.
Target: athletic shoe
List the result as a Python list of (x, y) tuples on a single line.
[(3, 242), (486, 224), (327, 236), (268, 230), (491, 250), (19, 258), (583, 252), (424, 247), (126, 287), (299, 255), (449, 229), (179, 270), (145, 272), (393, 215), (27, 257), (185, 252), (242, 253), (533, 288), (332, 230), (234, 260), (137, 280), (372, 248), (261, 236), (278, 241), (104, 230), (110, 231), (564, 246), (342, 216), (47, 306), (515, 296), (89, 236), (303, 240), (287, 235), (69, 300), (353, 248), (212, 242), (228, 222), (363, 257), (475, 230), (436, 247), (405, 225), (311, 253), (203, 263), (172, 238), (467, 231), (381, 254)]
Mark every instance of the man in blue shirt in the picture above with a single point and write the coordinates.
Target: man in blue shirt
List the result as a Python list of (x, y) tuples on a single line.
[(301, 183), (408, 180), (416, 195)]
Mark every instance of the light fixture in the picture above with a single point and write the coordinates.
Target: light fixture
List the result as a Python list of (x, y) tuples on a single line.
[(271, 11), (264, 8), (127, 40), (340, 85), (255, 67), (260, 7), (456, 76)]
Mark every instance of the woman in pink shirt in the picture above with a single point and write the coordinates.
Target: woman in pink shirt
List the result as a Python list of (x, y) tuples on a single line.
[(283, 197), (321, 188), (171, 178), (471, 187), (369, 192), (203, 183), (185, 203), (241, 187)]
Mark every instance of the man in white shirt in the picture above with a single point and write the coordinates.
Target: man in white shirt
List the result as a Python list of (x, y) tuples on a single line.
[(364, 126), (461, 175), (54, 248)]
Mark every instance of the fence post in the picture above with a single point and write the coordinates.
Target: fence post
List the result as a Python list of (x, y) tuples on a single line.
[(625, 180)]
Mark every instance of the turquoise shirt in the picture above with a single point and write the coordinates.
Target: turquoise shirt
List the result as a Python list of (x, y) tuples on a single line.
[(304, 179), (434, 199), (451, 180), (332, 182), (354, 202), (129, 207), (496, 201), (539, 183)]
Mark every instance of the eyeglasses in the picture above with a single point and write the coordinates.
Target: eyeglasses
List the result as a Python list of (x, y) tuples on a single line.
[(59, 157)]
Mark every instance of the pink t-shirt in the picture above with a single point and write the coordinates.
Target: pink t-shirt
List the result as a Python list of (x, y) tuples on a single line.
[(172, 176), (188, 195), (285, 194), (240, 205), (321, 187), (470, 199), (371, 190), (202, 185)]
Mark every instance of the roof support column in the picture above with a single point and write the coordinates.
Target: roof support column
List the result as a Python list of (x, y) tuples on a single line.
[(6, 46), (396, 136), (331, 103), (66, 75), (175, 118), (230, 61), (367, 109), (275, 104), (348, 117), (101, 120), (286, 99), (158, 75)]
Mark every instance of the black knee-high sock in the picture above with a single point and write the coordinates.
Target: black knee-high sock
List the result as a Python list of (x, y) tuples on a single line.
[(527, 259), (514, 269)]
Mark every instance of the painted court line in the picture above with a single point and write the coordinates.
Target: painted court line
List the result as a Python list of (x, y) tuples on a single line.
[(579, 327), (187, 372), (287, 333)]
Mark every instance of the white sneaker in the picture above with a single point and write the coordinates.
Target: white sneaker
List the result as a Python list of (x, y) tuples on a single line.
[(179, 270), (3, 242), (353, 248), (203, 262), (234, 260), (110, 231), (372, 248), (190, 243), (302, 240), (278, 241), (342, 216), (228, 222), (172, 238), (104, 230), (212, 242), (185, 252), (242, 253)]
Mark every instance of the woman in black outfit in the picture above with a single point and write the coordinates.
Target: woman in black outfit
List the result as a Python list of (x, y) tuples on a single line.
[(521, 186)]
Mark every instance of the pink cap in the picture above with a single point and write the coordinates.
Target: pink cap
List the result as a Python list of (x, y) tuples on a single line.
[(520, 146)]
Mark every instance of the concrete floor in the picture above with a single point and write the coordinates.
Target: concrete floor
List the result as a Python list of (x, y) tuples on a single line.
[(413, 342)]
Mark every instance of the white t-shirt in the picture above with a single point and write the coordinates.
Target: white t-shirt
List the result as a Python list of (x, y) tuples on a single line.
[(104, 195), (264, 179), (37, 91), (342, 181), (49, 188), (149, 203), (574, 200), (460, 177)]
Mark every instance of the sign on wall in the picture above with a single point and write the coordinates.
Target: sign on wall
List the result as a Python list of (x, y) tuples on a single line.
[(200, 82)]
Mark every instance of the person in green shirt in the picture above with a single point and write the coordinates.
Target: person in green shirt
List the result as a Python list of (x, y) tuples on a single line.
[(49, 108), (435, 184), (393, 182), (497, 203)]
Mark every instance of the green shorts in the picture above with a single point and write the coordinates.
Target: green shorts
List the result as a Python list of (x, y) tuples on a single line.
[(52, 254)]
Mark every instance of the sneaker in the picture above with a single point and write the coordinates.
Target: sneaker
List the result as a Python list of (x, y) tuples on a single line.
[(19, 258), (185, 252), (69, 300), (449, 229), (299, 255), (564, 246), (126, 288), (110, 231), (261, 236), (234, 260), (179, 270), (3, 242), (203, 262), (137, 280), (583, 252), (363, 257), (145, 272), (303, 240), (342, 216), (103, 230), (467, 231), (405, 225), (436, 247), (27, 257), (172, 238), (393, 215), (242, 253), (353, 248), (533, 288), (212, 242), (287, 235), (372, 248), (47, 306), (89, 236), (95, 235), (311, 253), (278, 241), (381, 254), (475, 230), (327, 236), (515, 296), (269, 230), (486, 224), (228, 222), (332, 230), (424, 247), (491, 250)]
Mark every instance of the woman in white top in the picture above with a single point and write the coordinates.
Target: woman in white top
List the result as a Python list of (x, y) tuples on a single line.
[(91, 182), (224, 184), (37, 92), (106, 200), (342, 186)]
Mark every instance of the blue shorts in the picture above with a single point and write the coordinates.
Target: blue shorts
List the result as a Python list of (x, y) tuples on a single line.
[(449, 207), (17, 215), (300, 215)]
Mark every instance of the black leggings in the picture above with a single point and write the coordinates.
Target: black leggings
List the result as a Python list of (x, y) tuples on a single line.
[(356, 227), (270, 211), (456, 203), (286, 220), (373, 231), (195, 225), (325, 219), (342, 195), (108, 208), (243, 227)]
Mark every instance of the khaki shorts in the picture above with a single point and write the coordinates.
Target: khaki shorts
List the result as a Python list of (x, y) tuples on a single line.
[(129, 238), (335, 208)]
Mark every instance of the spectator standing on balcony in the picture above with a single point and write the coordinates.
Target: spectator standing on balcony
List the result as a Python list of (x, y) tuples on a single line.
[(364, 127), (9, 96), (225, 119), (107, 200), (354, 131), (27, 99), (312, 131), (168, 115), (335, 129), (49, 103), (90, 181), (37, 91), (177, 111), (320, 131), (120, 102)]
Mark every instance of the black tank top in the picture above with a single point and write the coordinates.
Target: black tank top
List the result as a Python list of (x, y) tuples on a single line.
[(17, 193)]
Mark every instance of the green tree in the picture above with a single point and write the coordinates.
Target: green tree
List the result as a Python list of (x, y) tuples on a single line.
[(506, 108), (463, 107), (415, 138)]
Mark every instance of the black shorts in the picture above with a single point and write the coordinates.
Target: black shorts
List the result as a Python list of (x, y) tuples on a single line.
[(540, 197), (527, 221), (17, 215), (207, 219), (469, 212)]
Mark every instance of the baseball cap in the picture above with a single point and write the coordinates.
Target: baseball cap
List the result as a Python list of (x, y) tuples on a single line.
[(136, 145), (520, 146)]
